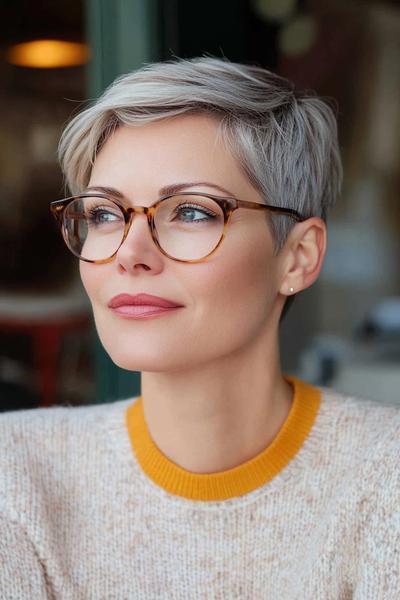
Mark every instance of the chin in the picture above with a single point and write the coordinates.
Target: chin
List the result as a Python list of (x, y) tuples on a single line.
[(146, 364), (132, 357)]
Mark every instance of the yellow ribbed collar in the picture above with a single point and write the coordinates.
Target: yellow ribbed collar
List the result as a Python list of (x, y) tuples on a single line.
[(239, 480)]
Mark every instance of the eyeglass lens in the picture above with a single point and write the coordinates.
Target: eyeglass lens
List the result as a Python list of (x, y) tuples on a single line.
[(188, 227)]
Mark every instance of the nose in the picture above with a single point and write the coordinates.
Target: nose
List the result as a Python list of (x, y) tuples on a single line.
[(138, 251)]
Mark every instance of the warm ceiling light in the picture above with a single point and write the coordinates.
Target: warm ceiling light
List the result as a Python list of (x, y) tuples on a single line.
[(48, 54)]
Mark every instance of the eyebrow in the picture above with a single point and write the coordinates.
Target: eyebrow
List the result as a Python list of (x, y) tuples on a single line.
[(172, 188)]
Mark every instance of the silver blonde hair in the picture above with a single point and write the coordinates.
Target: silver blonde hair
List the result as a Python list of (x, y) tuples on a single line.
[(284, 140)]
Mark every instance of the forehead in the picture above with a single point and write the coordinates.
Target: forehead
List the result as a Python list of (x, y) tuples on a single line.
[(184, 148), (183, 138)]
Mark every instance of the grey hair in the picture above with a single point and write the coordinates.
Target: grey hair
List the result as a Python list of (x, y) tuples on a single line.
[(285, 141)]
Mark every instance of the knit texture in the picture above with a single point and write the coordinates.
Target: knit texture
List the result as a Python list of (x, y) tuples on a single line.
[(81, 518)]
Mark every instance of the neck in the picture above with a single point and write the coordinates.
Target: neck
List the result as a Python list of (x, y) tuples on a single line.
[(218, 415)]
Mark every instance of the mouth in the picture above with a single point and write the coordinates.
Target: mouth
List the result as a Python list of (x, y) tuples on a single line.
[(142, 306), (143, 312)]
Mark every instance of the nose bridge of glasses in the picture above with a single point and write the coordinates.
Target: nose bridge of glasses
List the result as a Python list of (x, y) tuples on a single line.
[(132, 211)]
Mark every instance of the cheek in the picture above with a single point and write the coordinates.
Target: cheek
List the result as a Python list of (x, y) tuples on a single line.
[(96, 281), (236, 291), (92, 277)]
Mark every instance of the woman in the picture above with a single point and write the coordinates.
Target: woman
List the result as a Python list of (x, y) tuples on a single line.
[(201, 189)]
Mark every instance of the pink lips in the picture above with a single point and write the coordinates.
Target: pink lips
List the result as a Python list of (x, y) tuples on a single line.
[(141, 306)]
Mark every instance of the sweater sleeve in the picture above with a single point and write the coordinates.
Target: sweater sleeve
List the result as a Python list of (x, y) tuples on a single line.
[(22, 575), (378, 547)]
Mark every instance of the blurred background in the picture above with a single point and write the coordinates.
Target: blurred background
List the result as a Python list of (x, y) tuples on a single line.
[(344, 332)]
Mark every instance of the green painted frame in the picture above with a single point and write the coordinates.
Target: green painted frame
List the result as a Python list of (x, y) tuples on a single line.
[(123, 35)]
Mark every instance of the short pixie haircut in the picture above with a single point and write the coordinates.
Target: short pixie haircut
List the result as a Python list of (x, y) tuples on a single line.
[(285, 141)]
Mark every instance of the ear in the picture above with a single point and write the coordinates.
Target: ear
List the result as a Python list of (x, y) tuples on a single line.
[(303, 255)]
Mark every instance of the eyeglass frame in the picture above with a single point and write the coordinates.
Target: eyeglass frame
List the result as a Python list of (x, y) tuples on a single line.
[(226, 203)]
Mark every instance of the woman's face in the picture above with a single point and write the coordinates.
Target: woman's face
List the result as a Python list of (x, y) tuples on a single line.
[(228, 300)]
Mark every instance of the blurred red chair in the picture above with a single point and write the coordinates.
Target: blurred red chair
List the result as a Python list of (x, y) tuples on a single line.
[(46, 318)]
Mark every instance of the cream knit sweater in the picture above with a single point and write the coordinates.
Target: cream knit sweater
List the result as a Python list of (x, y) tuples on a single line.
[(82, 517)]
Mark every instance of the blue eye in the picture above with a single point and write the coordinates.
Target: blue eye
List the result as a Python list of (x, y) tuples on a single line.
[(100, 216), (187, 211)]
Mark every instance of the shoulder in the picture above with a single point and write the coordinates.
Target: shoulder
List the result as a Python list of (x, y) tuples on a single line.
[(43, 445), (28, 430), (59, 415), (362, 421), (364, 436), (359, 448)]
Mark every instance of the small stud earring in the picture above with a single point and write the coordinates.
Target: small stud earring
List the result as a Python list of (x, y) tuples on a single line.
[(291, 290)]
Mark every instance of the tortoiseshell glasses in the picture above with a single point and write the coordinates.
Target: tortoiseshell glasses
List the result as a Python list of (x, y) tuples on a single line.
[(187, 227)]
